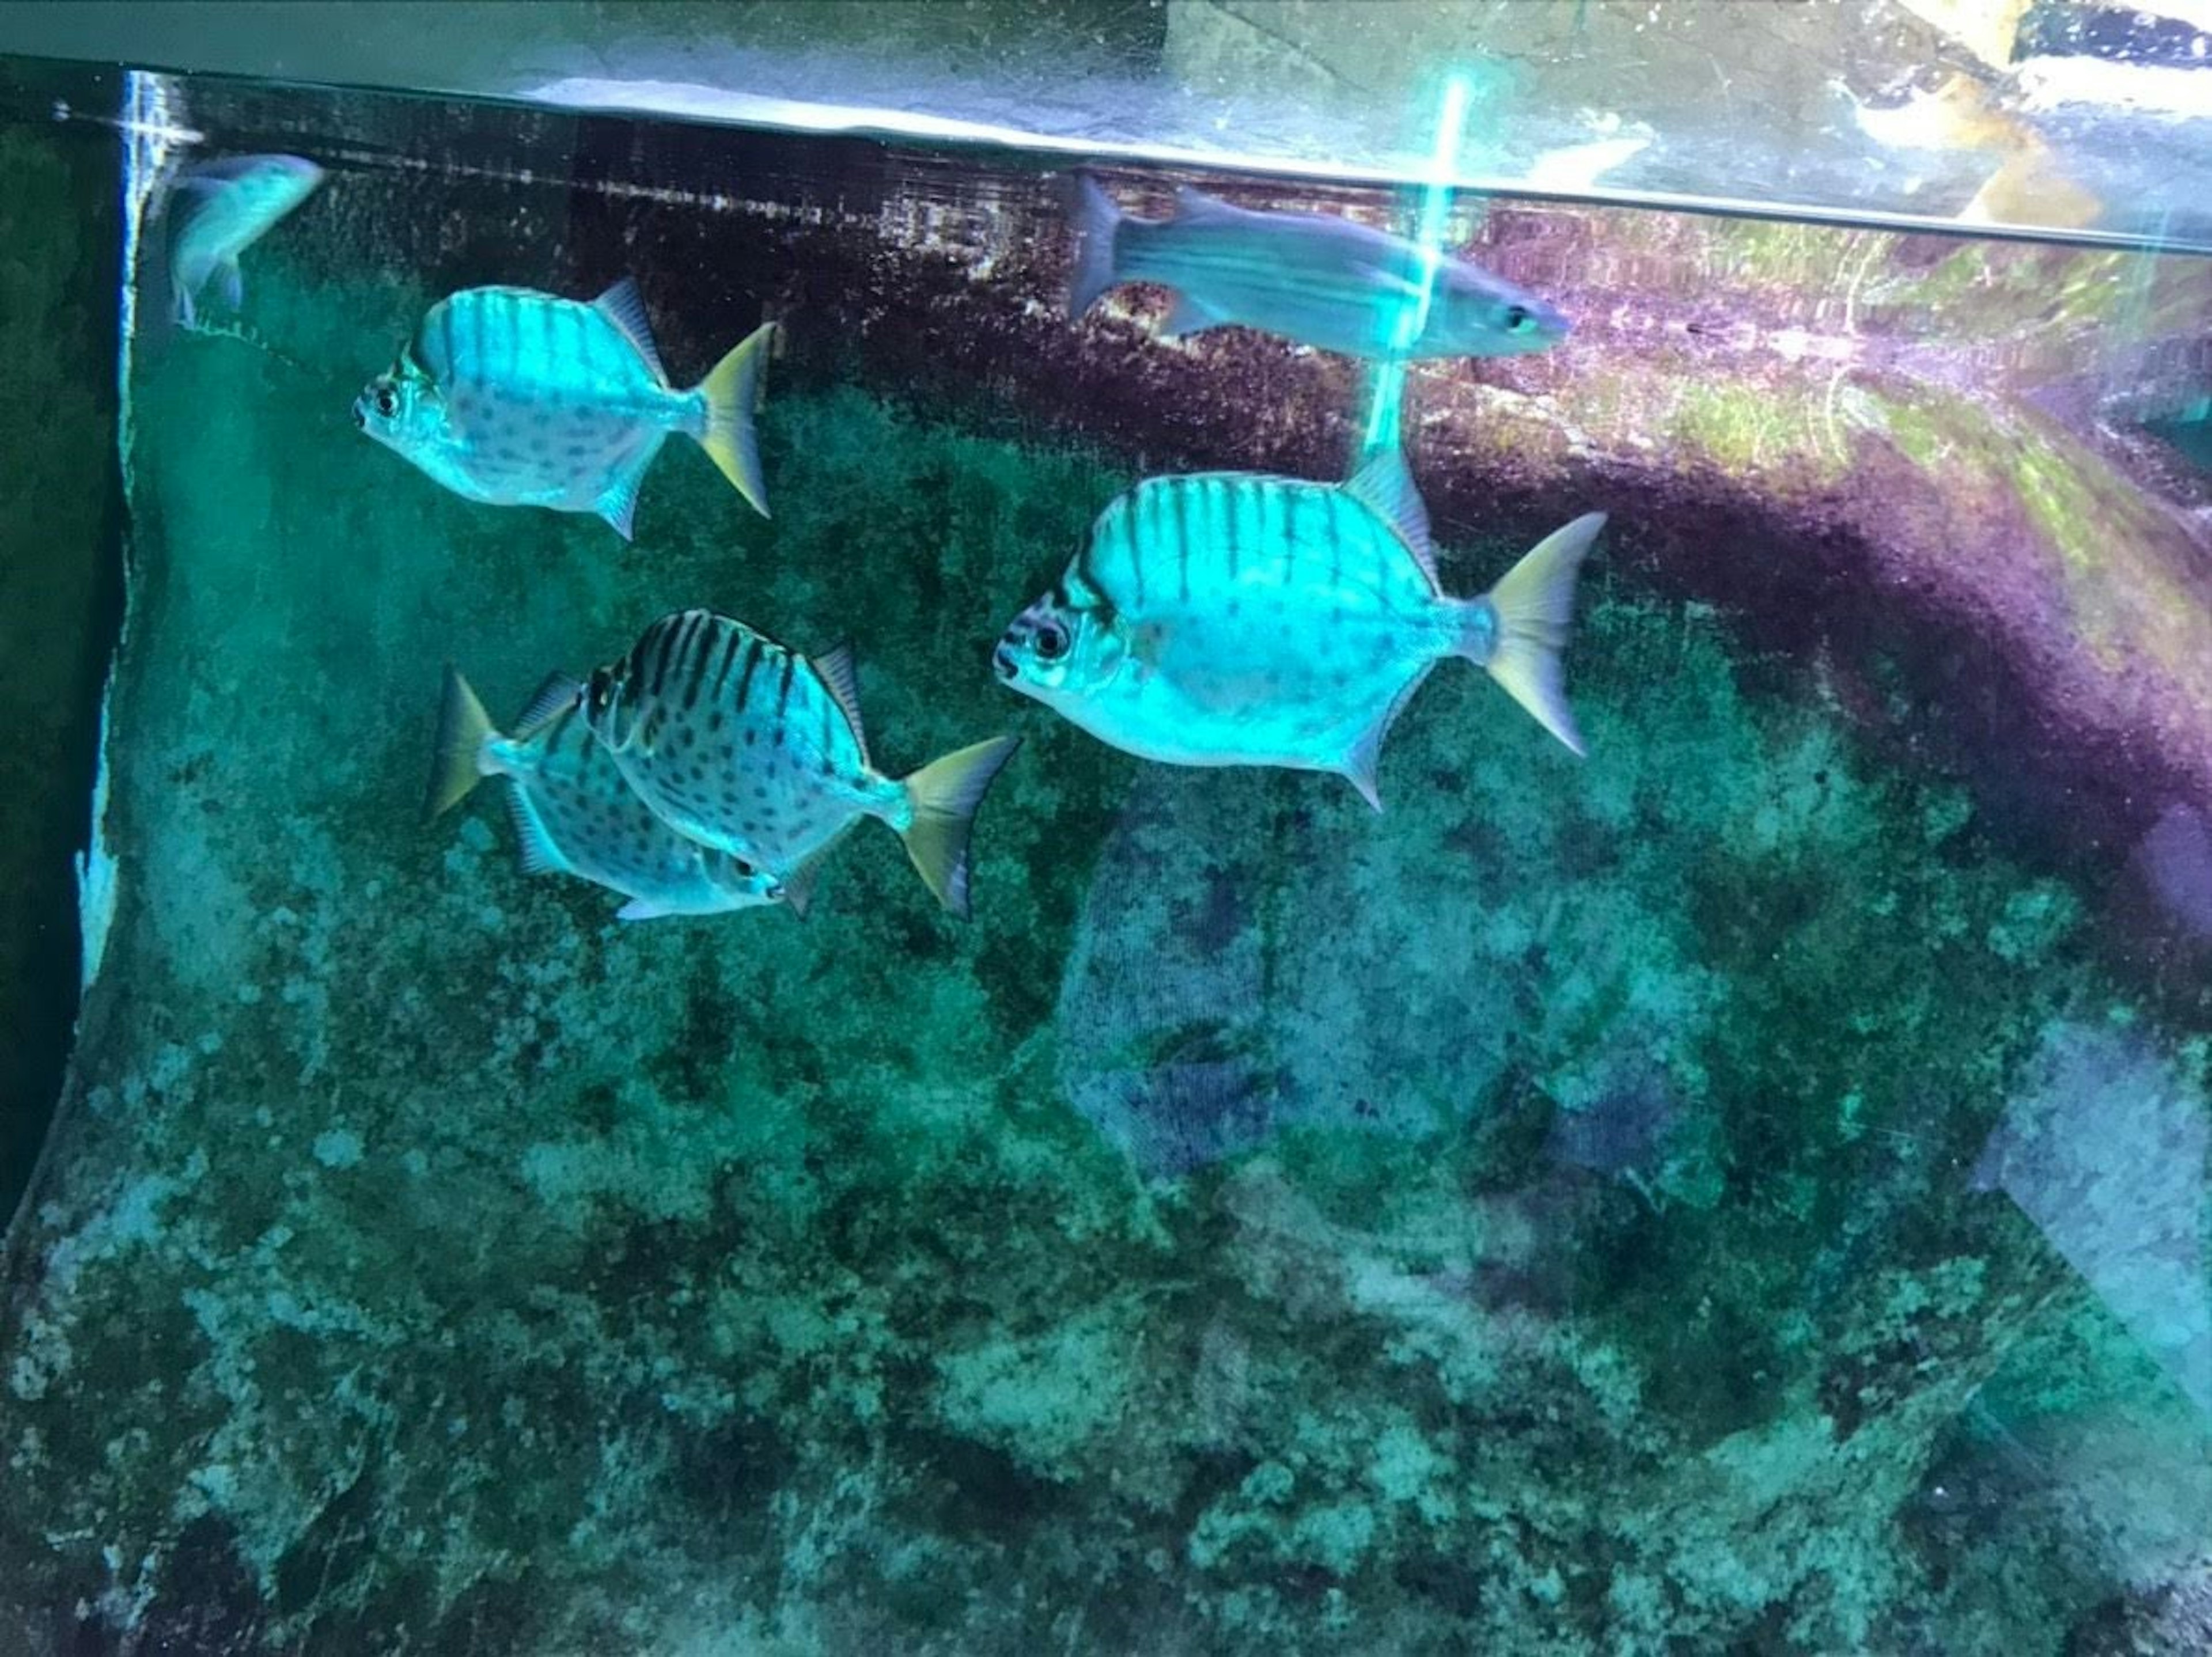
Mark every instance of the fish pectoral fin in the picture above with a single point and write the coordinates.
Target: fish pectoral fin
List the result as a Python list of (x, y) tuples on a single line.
[(540, 856), (1188, 317), (641, 908)]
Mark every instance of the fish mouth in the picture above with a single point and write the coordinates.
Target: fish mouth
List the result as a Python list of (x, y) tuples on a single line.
[(360, 415), (1003, 663)]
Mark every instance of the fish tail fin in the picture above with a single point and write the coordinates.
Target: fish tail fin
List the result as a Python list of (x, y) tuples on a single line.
[(1519, 629), (1098, 223), (463, 727), (733, 393), (944, 795)]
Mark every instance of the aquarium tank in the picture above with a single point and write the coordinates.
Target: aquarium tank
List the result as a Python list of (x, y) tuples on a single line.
[(1106, 826)]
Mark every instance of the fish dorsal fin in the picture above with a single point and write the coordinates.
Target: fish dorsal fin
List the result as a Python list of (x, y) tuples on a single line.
[(835, 670), (1193, 206), (556, 693), (622, 306), (540, 856), (1384, 486)]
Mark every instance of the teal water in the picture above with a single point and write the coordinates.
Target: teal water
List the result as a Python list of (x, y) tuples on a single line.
[(1744, 1191)]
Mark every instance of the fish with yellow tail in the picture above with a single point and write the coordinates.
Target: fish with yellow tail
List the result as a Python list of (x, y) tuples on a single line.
[(515, 397), (746, 745), (1228, 618), (574, 814)]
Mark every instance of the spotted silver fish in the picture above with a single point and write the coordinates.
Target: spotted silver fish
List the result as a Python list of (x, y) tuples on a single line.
[(1322, 281), (516, 397), (1233, 619), (573, 812), (227, 206), (746, 745)]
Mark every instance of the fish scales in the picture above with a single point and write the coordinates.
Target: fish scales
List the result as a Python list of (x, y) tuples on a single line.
[(739, 742), (1322, 281), (1235, 619), (514, 397), (767, 768), (576, 814)]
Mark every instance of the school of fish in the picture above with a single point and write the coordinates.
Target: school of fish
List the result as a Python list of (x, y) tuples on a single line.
[(1208, 619)]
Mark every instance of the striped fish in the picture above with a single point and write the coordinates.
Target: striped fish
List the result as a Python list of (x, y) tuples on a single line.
[(1233, 619), (519, 399), (1321, 280), (576, 815), (741, 744), (230, 205)]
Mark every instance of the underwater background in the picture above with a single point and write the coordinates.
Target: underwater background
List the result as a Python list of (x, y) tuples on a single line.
[(1743, 1190)]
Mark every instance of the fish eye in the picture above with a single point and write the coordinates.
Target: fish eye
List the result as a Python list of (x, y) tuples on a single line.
[(1519, 320), (387, 401), (1051, 640)]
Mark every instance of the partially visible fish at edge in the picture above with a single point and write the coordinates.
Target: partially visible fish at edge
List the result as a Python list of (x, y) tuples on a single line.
[(232, 205), (1319, 280)]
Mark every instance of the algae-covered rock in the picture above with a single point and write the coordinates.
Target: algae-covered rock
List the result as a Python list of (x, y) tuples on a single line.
[(1544, 1217)]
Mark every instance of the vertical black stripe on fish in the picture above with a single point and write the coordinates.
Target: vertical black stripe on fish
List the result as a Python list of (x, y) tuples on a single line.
[(828, 763), (700, 653), (1182, 567), (633, 668), (1313, 507), (783, 695), (668, 630), (745, 678), (731, 638), (480, 366), (446, 360)]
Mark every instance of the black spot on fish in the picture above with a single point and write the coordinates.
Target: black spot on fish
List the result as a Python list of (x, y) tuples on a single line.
[(749, 735)]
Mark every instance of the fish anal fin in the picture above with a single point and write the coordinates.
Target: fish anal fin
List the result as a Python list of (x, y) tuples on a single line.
[(625, 307), (558, 690), (1188, 316), (617, 504), (1385, 486), (641, 908), (1363, 761), (840, 677), (233, 282), (540, 856)]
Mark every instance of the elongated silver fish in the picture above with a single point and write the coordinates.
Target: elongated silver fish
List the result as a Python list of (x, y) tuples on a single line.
[(573, 812), (227, 206), (1324, 282), (746, 745), (516, 397), (1233, 619)]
